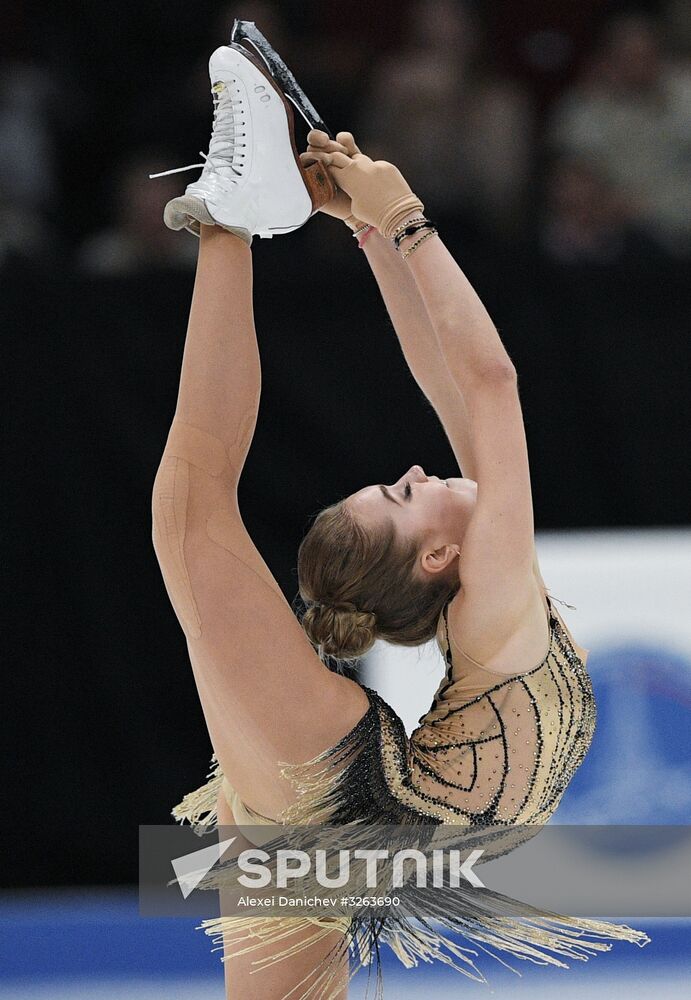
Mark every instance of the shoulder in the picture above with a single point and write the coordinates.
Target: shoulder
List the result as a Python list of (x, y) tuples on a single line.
[(507, 639), (350, 700)]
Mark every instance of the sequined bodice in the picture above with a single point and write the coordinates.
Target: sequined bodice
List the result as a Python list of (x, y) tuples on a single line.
[(503, 756)]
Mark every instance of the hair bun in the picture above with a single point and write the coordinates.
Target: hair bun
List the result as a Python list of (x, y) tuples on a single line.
[(340, 629)]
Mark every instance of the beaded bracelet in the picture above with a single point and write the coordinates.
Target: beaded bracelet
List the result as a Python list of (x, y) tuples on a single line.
[(419, 242), (400, 229), (410, 230)]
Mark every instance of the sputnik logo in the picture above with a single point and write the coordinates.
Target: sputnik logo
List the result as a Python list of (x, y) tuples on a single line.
[(190, 869), (291, 865)]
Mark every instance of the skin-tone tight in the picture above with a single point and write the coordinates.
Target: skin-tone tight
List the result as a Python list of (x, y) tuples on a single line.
[(266, 696)]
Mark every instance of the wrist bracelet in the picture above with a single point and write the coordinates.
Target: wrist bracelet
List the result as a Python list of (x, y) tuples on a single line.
[(410, 230), (365, 236), (418, 242), (404, 226)]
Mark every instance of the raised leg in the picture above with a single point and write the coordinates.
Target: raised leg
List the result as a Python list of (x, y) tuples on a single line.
[(220, 381), (267, 698)]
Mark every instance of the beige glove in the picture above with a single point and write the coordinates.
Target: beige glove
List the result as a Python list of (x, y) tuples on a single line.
[(319, 142), (378, 191)]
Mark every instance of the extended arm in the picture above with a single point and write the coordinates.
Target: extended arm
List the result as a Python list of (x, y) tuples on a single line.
[(407, 312), (421, 347), (498, 554), (501, 537), (423, 353)]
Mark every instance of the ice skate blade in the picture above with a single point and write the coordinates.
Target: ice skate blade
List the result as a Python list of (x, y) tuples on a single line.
[(320, 187), (248, 31)]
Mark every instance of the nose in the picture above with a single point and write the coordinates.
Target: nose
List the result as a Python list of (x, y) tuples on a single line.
[(415, 473)]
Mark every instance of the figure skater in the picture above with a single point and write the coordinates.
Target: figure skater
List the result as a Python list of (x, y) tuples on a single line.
[(408, 561)]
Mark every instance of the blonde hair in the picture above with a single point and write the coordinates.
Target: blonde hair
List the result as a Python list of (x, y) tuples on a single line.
[(360, 584)]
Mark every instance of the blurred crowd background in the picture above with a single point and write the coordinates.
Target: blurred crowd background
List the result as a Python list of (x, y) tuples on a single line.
[(551, 143), (562, 125)]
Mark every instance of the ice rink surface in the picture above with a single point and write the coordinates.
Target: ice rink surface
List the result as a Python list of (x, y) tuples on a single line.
[(93, 945)]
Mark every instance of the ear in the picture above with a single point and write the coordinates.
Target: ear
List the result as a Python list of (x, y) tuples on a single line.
[(438, 560)]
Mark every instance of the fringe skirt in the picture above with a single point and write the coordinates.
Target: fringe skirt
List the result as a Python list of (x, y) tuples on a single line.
[(347, 785)]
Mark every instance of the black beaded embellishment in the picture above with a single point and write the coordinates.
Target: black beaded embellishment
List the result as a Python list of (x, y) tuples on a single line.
[(504, 756)]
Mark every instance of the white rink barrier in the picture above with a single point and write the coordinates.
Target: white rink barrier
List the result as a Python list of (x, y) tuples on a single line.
[(630, 587)]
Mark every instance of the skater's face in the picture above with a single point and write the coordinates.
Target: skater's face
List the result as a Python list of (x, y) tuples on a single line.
[(425, 508)]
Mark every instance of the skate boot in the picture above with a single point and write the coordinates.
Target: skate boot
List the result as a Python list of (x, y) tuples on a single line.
[(252, 181)]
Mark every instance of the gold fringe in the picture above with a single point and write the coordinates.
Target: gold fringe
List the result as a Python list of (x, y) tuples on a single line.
[(538, 937), (320, 783), (328, 786), (312, 788), (231, 934), (199, 808)]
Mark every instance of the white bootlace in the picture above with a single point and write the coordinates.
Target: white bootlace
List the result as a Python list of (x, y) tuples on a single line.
[(223, 145)]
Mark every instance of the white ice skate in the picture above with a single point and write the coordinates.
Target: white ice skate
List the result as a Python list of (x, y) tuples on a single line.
[(252, 181)]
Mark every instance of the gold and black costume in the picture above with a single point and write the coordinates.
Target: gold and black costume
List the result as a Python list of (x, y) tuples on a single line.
[(494, 753)]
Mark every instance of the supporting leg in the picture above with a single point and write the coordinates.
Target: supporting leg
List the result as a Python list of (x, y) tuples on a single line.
[(243, 978)]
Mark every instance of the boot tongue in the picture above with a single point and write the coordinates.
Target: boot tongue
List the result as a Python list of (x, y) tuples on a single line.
[(223, 133)]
